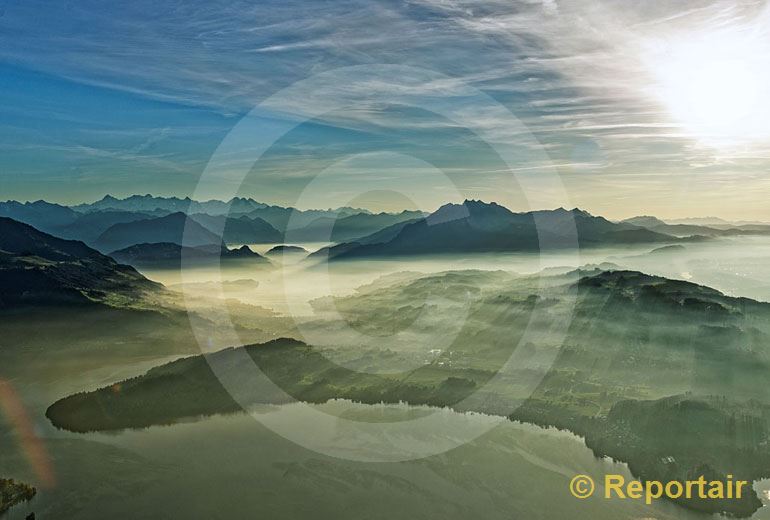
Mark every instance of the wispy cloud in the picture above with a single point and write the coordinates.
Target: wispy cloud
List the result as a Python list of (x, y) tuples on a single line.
[(576, 74)]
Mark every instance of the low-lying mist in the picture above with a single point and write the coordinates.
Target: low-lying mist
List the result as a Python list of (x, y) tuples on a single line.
[(735, 266)]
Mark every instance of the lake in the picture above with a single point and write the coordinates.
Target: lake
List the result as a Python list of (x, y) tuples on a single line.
[(233, 467)]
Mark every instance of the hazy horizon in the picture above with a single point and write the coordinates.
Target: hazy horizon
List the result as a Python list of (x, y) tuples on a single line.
[(376, 209)]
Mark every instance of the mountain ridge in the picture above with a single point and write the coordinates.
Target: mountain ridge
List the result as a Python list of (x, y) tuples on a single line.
[(170, 228), (239, 230), (476, 226), (168, 253), (37, 268)]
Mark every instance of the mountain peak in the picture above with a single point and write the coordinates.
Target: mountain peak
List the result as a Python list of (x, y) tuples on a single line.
[(644, 220), (580, 212), (478, 203), (480, 212)]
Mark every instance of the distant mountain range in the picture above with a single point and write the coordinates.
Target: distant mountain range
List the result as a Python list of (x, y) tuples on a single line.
[(248, 221), (148, 203), (42, 215), (690, 227), (701, 221), (344, 228), (679, 230), (112, 224), (39, 269), (284, 219), (167, 254), (476, 226), (277, 216)]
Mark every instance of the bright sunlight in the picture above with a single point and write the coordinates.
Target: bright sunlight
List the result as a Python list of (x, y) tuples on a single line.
[(716, 86)]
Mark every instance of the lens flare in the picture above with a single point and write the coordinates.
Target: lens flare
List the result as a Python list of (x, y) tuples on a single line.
[(31, 445)]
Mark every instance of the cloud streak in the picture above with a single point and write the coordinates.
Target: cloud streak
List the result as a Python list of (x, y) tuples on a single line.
[(578, 73)]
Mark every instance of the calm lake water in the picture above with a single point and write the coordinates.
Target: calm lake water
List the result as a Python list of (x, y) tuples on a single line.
[(234, 467)]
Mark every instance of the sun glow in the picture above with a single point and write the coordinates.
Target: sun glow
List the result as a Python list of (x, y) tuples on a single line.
[(717, 86)]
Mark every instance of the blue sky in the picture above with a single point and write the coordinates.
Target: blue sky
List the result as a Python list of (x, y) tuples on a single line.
[(135, 97)]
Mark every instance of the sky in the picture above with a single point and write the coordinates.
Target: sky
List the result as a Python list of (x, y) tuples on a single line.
[(621, 108)]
